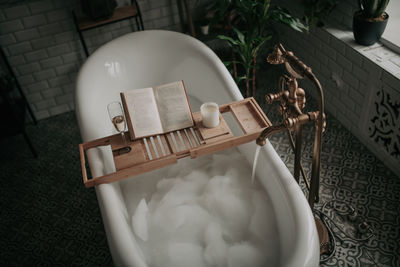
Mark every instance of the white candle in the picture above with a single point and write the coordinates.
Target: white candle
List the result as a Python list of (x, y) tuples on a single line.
[(210, 114)]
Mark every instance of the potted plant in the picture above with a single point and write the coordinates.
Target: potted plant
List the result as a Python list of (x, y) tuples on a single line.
[(370, 21), (317, 11), (252, 28), (98, 9), (216, 15), (204, 26)]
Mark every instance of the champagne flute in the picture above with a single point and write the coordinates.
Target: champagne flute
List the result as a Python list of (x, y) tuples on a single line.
[(117, 117)]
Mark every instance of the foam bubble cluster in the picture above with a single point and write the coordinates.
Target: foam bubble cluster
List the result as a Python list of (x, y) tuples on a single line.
[(209, 215)]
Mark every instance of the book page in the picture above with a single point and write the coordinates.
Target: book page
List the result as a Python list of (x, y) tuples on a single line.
[(143, 112), (173, 106)]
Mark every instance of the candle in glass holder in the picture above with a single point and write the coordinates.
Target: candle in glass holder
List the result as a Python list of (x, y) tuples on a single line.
[(210, 114)]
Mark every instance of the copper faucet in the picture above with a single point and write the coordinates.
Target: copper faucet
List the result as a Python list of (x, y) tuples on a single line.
[(292, 102)]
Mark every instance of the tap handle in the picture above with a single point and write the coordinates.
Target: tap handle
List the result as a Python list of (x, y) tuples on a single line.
[(302, 118), (273, 97)]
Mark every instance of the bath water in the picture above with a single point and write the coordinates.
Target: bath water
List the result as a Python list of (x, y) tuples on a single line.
[(256, 154), (207, 212)]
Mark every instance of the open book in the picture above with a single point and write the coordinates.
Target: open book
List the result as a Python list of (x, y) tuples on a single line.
[(157, 110)]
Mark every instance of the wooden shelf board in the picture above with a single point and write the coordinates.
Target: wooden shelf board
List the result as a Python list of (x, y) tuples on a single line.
[(121, 13)]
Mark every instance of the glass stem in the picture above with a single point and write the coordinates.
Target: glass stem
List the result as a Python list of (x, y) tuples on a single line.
[(123, 138)]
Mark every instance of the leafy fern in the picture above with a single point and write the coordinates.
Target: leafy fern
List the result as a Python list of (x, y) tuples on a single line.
[(373, 8)]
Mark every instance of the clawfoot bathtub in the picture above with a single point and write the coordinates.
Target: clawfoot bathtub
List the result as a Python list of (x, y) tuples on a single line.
[(148, 58)]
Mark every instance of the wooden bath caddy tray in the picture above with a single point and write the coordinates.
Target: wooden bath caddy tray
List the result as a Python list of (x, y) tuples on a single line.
[(155, 152)]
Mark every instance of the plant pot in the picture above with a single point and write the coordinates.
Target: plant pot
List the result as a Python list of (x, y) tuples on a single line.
[(98, 9), (367, 31), (205, 29)]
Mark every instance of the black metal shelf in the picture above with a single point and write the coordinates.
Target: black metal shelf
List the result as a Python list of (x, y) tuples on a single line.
[(84, 23), (13, 104)]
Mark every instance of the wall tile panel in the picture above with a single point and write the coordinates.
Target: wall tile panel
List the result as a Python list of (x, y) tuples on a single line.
[(43, 47)]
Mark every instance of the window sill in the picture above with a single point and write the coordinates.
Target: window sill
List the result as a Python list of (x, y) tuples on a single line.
[(390, 37), (377, 53), (390, 45)]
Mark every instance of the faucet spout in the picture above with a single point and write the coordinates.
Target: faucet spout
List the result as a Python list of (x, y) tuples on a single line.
[(267, 132)]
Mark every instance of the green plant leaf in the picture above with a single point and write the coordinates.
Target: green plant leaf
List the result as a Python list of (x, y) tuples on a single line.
[(241, 78), (262, 41), (373, 8), (229, 39), (281, 15), (227, 63), (240, 35), (316, 11), (381, 7)]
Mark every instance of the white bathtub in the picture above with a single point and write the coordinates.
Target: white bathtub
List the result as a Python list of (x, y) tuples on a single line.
[(147, 58)]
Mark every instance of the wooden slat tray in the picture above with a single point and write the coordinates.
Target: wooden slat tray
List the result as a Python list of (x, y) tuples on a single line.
[(147, 154)]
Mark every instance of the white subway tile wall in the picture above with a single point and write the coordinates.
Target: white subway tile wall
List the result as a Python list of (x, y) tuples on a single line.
[(43, 47), (361, 84)]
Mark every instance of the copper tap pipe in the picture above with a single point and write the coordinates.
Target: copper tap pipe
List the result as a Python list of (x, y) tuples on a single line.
[(292, 103), (314, 189), (297, 152), (303, 173), (267, 132)]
